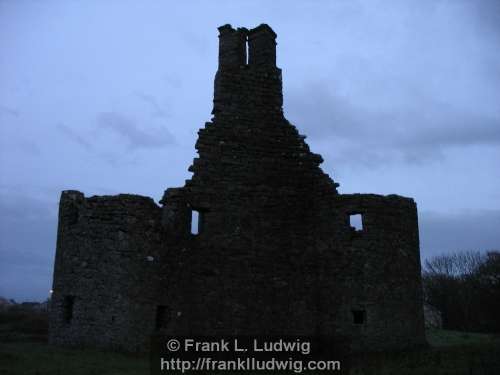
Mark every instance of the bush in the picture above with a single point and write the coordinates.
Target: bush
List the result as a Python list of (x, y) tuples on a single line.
[(16, 322), (465, 288)]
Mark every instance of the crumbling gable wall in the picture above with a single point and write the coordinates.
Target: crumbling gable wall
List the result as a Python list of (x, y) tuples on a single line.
[(256, 183)]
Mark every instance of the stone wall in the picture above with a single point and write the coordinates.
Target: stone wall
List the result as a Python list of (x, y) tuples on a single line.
[(256, 183), (382, 281), (274, 252), (107, 271)]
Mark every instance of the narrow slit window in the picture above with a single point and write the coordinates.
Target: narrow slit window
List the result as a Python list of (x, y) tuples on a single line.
[(247, 52), (195, 222), (162, 313), (68, 304), (356, 222), (358, 316)]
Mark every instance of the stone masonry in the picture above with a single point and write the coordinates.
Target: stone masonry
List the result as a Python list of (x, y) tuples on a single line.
[(273, 251)]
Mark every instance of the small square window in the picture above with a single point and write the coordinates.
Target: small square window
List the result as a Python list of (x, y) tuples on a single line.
[(356, 222), (358, 316)]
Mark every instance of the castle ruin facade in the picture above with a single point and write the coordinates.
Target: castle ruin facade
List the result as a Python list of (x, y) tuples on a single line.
[(273, 251)]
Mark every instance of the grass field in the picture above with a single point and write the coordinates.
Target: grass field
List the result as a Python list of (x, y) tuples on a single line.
[(24, 351), (450, 352)]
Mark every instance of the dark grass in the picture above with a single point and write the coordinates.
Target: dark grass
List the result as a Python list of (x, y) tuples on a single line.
[(449, 352), (24, 351), (19, 324), (35, 358)]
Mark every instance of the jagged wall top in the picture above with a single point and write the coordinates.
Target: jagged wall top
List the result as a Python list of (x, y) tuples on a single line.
[(247, 86), (233, 46)]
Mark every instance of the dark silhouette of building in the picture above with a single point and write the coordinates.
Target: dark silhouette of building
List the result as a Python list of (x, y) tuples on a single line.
[(272, 251)]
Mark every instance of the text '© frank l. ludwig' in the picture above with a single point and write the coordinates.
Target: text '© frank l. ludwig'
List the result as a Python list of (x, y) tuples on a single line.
[(255, 345)]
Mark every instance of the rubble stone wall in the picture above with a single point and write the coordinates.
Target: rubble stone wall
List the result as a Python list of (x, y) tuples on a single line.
[(273, 253), (106, 274)]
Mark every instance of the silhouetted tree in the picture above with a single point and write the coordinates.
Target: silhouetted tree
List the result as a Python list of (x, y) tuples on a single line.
[(465, 288)]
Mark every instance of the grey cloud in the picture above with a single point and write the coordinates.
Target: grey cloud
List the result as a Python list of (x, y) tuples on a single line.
[(9, 111), (467, 230), (406, 133), (29, 147), (173, 80), (157, 109), (74, 136), (488, 16), (137, 138), (111, 157), (117, 159), (444, 125)]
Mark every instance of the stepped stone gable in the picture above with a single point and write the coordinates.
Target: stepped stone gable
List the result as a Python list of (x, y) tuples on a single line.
[(273, 251)]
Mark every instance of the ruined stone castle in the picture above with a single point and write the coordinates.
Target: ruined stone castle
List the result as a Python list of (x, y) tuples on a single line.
[(272, 251)]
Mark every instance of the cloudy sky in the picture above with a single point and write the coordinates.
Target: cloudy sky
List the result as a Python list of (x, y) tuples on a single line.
[(107, 96)]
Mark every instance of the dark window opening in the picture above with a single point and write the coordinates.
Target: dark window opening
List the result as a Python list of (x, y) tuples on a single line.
[(68, 304), (356, 222), (247, 53), (358, 316), (162, 317), (195, 222), (197, 218), (113, 319)]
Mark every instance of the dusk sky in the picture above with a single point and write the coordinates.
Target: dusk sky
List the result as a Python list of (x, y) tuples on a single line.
[(106, 97)]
